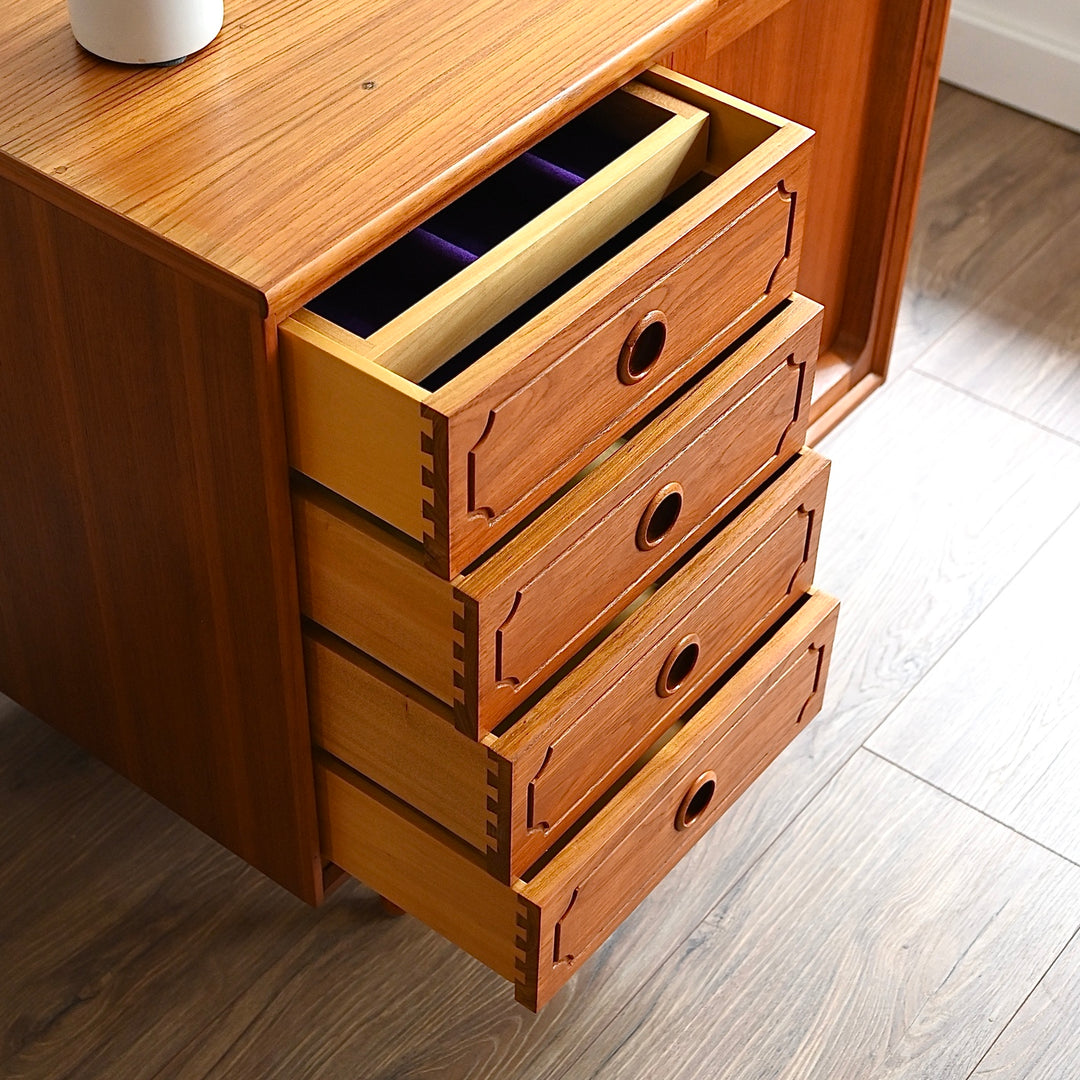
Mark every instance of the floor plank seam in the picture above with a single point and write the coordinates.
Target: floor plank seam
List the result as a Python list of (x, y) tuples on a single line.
[(970, 806), (945, 652), (992, 404), (816, 794), (568, 1071), (1038, 982)]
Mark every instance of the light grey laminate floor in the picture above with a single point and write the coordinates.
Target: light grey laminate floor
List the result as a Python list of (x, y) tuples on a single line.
[(898, 897)]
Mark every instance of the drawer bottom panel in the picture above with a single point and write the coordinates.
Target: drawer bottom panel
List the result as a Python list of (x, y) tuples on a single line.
[(539, 929)]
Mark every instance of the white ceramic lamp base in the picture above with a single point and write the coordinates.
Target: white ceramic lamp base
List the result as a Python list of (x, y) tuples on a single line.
[(145, 31)]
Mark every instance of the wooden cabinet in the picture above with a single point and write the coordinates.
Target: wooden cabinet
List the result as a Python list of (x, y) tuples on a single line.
[(597, 626), (496, 598), (495, 433), (536, 930)]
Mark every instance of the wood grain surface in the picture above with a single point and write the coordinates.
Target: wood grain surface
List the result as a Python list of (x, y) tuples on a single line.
[(948, 921), (395, 734), (369, 587), (995, 723), (907, 518), (923, 532), (592, 724), (1042, 1042), (1017, 349), (354, 425), (295, 108), (983, 211), (417, 866), (863, 76), (540, 597), (147, 576)]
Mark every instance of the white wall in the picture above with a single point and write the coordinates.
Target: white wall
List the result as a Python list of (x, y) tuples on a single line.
[(1025, 53)]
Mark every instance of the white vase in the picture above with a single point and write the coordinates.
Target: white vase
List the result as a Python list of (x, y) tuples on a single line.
[(145, 31)]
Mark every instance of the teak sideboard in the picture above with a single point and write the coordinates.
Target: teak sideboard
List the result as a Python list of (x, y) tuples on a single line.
[(402, 468)]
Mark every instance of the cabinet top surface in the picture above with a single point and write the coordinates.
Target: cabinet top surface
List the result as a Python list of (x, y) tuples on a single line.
[(311, 131)]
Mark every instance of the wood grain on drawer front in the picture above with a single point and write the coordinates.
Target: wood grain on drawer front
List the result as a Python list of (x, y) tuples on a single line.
[(575, 902), (538, 931), (487, 640), (727, 277), (512, 796), (564, 578), (499, 438), (573, 743)]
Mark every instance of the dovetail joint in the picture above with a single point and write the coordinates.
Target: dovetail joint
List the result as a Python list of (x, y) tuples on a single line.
[(464, 677), (498, 826), (434, 500), (526, 958)]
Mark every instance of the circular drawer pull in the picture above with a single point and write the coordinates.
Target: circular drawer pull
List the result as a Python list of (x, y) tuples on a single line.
[(642, 347), (660, 516), (696, 800), (678, 666)]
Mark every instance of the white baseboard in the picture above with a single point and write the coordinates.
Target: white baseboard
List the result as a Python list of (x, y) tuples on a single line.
[(1023, 70)]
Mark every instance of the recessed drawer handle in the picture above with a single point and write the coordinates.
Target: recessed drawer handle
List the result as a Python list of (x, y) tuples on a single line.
[(696, 800), (678, 666), (642, 347), (660, 516)]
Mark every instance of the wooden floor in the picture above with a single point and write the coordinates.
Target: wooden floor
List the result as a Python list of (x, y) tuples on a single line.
[(898, 897)]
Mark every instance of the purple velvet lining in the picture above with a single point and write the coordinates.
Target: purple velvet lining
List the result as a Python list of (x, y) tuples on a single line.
[(391, 282), (503, 203), (422, 260), (583, 147)]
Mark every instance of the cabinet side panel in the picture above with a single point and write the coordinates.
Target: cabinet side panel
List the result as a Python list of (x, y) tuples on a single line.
[(862, 74), (147, 585)]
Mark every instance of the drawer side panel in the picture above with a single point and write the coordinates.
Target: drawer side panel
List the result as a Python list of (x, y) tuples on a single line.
[(369, 588), (390, 847), (354, 427), (396, 735)]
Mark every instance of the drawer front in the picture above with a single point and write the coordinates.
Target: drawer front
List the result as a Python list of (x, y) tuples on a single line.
[(511, 797), (622, 526), (590, 375), (575, 902), (457, 459), (628, 356), (485, 642), (586, 732), (536, 932)]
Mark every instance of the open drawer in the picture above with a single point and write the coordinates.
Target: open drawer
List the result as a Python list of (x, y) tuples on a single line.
[(486, 641), (515, 793), (538, 930), (458, 417)]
